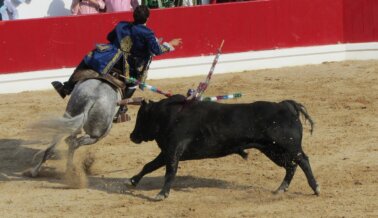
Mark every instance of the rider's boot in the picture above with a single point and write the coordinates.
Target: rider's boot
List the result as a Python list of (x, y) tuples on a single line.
[(121, 115), (66, 88), (128, 94), (63, 89)]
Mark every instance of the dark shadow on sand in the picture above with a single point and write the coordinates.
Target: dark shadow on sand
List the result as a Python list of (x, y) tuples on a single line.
[(181, 183), (15, 158)]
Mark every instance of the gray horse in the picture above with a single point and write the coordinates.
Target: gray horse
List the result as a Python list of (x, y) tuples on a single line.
[(92, 107)]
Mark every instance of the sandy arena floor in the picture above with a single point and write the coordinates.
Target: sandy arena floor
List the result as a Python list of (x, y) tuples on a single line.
[(342, 98)]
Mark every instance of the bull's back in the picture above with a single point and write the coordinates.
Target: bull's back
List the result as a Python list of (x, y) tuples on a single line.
[(238, 117), (217, 129)]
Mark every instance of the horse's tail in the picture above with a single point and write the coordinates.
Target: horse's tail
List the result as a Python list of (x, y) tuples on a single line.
[(301, 109), (62, 125), (56, 128)]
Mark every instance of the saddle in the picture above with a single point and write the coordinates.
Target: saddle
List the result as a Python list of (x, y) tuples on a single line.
[(113, 78)]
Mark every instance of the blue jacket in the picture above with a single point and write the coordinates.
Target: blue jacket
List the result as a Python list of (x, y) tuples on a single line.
[(126, 40)]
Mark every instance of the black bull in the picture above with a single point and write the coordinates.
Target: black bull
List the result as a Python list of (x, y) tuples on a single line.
[(197, 130)]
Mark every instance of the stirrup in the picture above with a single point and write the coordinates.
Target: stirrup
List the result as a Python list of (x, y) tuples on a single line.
[(58, 86)]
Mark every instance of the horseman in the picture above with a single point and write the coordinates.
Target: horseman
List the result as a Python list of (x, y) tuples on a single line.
[(128, 53)]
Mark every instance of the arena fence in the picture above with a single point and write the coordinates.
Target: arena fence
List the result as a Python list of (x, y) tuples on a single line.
[(258, 34)]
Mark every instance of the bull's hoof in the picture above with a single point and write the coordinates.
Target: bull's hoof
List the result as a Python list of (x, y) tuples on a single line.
[(317, 190), (130, 183), (279, 191), (284, 187), (160, 197)]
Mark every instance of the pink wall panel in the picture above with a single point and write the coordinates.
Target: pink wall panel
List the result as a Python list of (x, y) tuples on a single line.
[(49, 43)]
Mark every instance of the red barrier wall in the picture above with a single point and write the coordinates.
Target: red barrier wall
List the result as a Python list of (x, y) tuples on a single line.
[(360, 20), (50, 43)]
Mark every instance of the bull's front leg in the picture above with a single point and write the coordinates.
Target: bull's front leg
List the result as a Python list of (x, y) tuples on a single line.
[(170, 174), (148, 168), (172, 161)]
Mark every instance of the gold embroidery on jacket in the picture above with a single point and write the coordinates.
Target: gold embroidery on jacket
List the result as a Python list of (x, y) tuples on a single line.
[(111, 63), (127, 66), (126, 44)]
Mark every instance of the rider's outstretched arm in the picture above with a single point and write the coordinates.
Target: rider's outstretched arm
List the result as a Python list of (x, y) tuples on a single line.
[(158, 48)]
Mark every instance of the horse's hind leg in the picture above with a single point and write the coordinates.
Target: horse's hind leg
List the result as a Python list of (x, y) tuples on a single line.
[(74, 143), (46, 155)]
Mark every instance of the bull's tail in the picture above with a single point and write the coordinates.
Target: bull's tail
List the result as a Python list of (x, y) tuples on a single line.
[(301, 109)]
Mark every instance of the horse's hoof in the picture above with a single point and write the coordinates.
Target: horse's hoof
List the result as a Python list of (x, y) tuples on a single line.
[(30, 173)]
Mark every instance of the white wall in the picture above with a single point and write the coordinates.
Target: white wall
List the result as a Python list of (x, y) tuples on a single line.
[(44, 8)]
